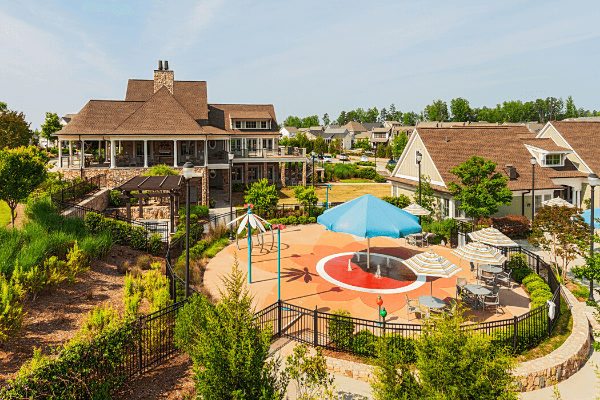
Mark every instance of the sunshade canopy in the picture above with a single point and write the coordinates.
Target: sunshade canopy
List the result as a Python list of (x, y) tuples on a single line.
[(479, 253), (432, 264), (587, 214), (557, 201), (416, 209), (492, 236), (368, 216)]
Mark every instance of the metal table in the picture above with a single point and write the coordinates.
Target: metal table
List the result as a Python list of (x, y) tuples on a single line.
[(492, 269), (479, 291), (432, 302)]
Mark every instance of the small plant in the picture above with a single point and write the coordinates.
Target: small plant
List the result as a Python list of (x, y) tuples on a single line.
[(155, 243), (309, 373), (11, 309), (341, 328), (123, 268), (144, 261)]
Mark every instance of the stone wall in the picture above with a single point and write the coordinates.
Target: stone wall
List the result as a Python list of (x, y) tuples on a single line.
[(351, 369), (562, 362), (98, 201), (150, 212), (114, 177)]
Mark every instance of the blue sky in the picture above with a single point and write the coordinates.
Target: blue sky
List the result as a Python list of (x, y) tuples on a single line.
[(306, 58)]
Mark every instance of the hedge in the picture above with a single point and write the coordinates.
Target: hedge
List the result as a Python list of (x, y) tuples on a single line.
[(137, 237)]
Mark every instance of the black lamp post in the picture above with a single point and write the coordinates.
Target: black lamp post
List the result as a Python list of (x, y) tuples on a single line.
[(592, 181), (533, 161), (188, 174), (313, 167), (419, 158), (231, 156)]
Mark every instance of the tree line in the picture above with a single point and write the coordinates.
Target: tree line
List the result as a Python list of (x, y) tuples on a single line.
[(541, 110), (15, 131)]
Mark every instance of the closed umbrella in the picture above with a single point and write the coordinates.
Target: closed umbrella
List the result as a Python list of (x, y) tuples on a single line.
[(558, 202), (368, 216), (479, 253), (432, 264), (416, 209), (492, 236)]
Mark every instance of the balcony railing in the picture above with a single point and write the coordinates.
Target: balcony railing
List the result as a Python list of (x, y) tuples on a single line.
[(264, 153)]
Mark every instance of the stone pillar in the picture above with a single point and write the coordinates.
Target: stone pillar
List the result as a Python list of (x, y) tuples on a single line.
[(60, 153), (283, 174), (106, 156), (82, 160), (265, 172), (226, 178), (113, 162), (175, 153), (205, 186), (246, 173), (205, 152), (304, 174), (70, 153), (145, 153)]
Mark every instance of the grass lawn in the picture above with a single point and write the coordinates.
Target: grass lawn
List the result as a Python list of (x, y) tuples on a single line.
[(4, 214), (561, 332), (356, 180), (338, 193)]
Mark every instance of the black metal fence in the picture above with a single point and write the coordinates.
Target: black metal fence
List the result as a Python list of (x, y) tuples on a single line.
[(79, 191)]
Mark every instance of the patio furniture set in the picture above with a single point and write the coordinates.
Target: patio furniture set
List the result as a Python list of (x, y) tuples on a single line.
[(420, 239)]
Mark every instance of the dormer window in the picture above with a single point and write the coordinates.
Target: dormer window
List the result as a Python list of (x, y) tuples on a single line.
[(263, 124), (241, 124), (250, 124), (553, 159), (238, 124)]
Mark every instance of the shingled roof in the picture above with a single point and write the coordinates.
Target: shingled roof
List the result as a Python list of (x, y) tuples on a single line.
[(449, 147), (100, 117), (584, 139)]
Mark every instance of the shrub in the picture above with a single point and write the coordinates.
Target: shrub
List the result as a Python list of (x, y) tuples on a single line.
[(531, 278), (511, 225), (312, 220), (293, 220), (341, 328), (238, 187), (97, 321), (161, 170), (532, 286), (138, 237), (215, 247), (517, 261), (364, 343), (302, 219), (380, 179), (521, 273), (144, 261), (366, 173), (284, 221), (261, 194), (200, 211), (114, 201), (11, 309), (543, 293), (400, 201)]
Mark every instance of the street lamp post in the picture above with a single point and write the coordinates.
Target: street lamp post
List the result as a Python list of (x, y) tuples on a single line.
[(188, 174), (231, 156), (327, 202), (532, 160), (312, 153), (592, 181), (419, 158)]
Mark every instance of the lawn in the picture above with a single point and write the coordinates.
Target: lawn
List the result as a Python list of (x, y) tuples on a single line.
[(4, 214), (356, 180), (338, 193)]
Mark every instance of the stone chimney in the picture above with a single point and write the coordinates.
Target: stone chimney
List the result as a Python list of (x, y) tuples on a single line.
[(163, 77)]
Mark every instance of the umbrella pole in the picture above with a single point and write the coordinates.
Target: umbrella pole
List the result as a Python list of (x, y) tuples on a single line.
[(431, 288), (368, 253)]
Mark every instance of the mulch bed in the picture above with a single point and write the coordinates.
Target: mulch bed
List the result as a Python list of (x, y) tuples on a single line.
[(56, 315)]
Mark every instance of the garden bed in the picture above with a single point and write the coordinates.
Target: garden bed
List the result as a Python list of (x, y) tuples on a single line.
[(57, 313)]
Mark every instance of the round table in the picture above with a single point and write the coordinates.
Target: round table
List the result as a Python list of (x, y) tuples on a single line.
[(493, 269), (475, 289), (432, 302)]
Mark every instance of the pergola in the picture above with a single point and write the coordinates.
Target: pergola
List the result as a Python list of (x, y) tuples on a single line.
[(155, 186)]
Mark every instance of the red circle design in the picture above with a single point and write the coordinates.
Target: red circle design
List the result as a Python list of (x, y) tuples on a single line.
[(337, 268)]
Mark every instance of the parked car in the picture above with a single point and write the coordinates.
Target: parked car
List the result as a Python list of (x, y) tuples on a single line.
[(369, 153), (364, 159), (327, 158), (344, 157), (391, 161)]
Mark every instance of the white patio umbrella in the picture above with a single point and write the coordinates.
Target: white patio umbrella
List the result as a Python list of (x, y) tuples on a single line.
[(416, 209), (479, 253), (492, 236), (432, 264), (558, 202)]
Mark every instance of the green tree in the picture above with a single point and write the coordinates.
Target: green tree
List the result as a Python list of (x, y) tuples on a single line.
[(591, 269), (306, 195), (160, 170), (312, 120), (570, 109), (293, 121), (371, 115), (428, 200), (380, 151), (436, 111), (50, 127), (302, 141), (461, 111), (14, 130), (342, 119), (559, 231), (362, 144), (261, 194), (481, 190), (228, 348), (309, 373), (21, 171), (410, 118), (389, 152), (335, 147), (326, 120), (399, 143), (319, 145)]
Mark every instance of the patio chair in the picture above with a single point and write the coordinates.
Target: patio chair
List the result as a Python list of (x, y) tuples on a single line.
[(504, 277), (450, 310), (131, 161), (460, 284), (412, 306), (492, 300), (486, 277), (473, 270), (469, 299), (411, 240)]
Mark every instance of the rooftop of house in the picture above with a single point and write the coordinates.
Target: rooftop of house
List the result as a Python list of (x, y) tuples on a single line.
[(372, 125), (584, 139), (290, 129), (354, 126)]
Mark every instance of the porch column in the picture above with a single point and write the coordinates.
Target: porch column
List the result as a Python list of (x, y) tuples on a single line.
[(60, 153), (82, 163), (70, 153), (145, 153), (106, 151), (112, 154), (134, 149), (175, 153), (120, 147), (206, 151)]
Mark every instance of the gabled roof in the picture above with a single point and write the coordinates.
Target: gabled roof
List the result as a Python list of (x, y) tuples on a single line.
[(371, 125), (381, 130), (362, 135), (449, 147), (161, 114), (544, 144), (290, 129), (218, 117), (99, 117), (584, 139), (354, 126), (249, 114), (335, 133)]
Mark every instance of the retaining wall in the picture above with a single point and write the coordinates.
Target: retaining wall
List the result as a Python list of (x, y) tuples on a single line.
[(98, 202)]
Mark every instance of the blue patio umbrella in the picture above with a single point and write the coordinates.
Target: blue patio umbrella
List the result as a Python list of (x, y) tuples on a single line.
[(368, 216), (587, 215)]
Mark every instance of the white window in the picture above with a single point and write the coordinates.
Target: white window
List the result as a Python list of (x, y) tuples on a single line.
[(553, 159), (250, 124), (263, 124), (238, 124), (547, 197), (236, 174), (538, 202), (445, 208), (268, 144), (252, 144)]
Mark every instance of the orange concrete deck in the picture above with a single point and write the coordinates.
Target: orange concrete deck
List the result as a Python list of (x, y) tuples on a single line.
[(303, 246)]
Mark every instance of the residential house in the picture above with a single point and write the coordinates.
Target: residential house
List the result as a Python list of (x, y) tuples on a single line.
[(66, 119), (380, 137), (165, 121), (288, 132), (510, 147), (354, 128), (330, 134), (369, 126)]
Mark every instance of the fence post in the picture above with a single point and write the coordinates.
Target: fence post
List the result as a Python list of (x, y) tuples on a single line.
[(279, 318), (537, 267), (316, 327), (514, 333), (140, 353)]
